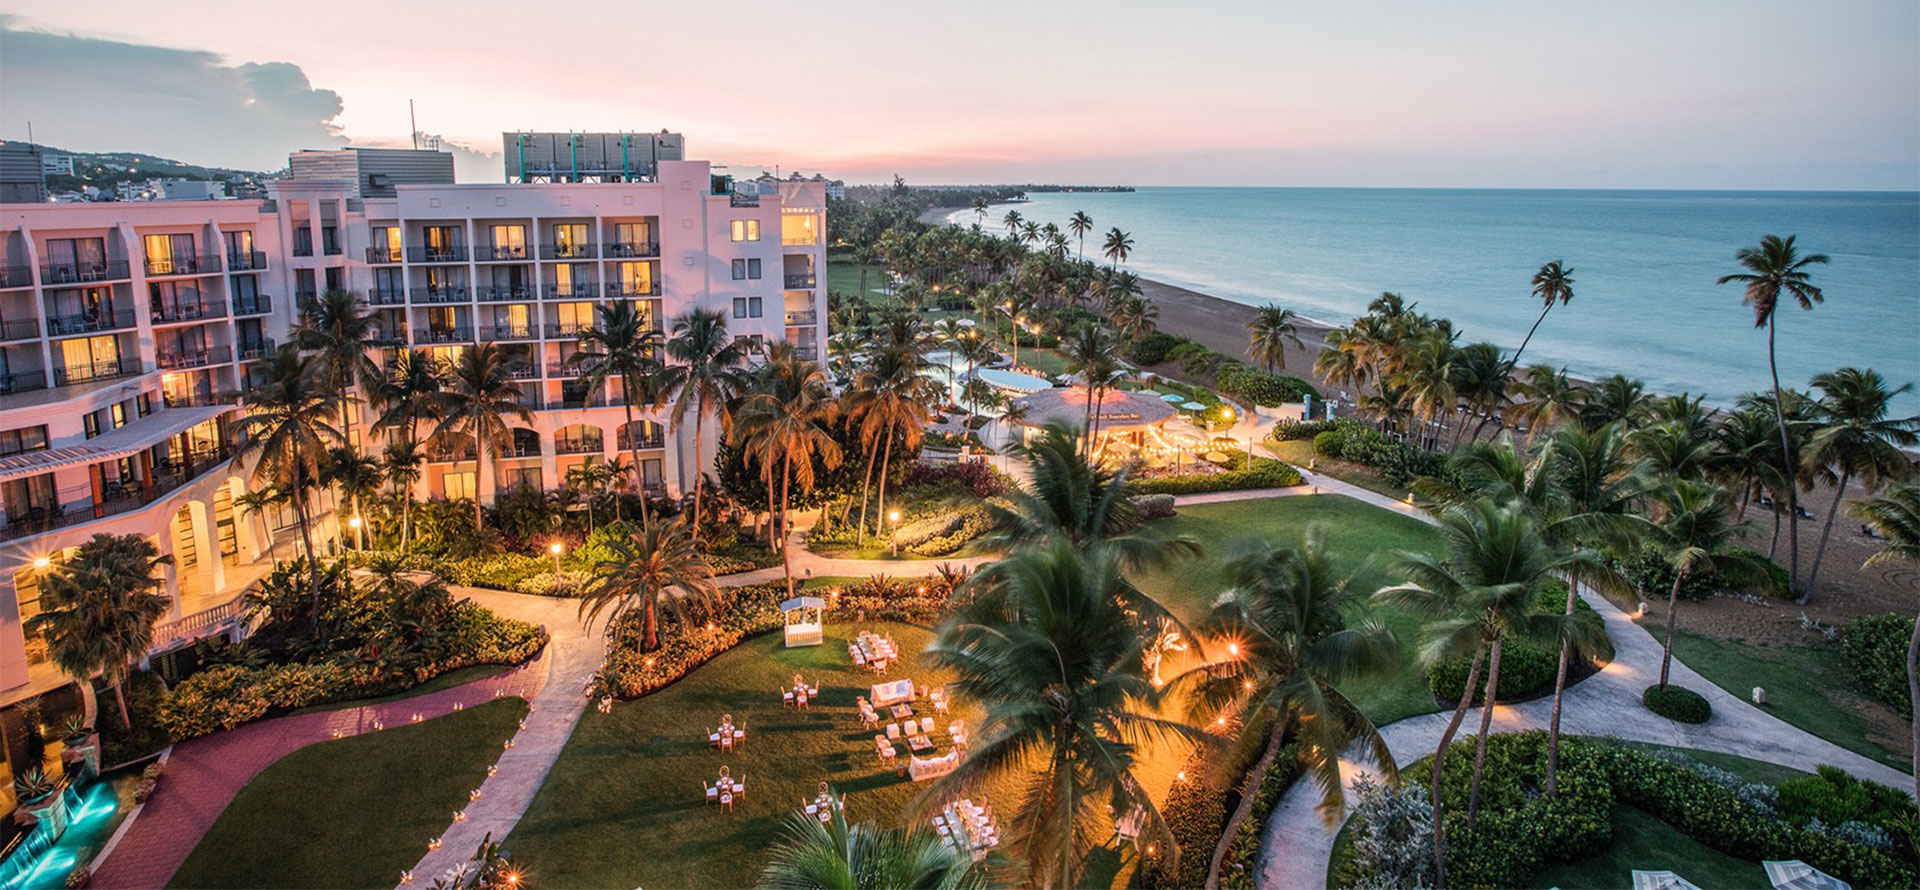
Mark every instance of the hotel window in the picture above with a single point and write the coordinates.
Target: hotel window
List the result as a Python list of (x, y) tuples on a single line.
[(632, 239), (387, 243), (574, 317), (172, 299), (330, 239), (441, 278), (303, 241), (746, 270), (389, 282), (336, 278), (441, 239), (167, 254), (457, 485), (636, 278), (25, 439), (303, 283), (799, 228), (509, 242), (569, 239), (77, 259), (239, 245), (522, 477), (746, 230), (80, 355), (244, 287), (746, 307)]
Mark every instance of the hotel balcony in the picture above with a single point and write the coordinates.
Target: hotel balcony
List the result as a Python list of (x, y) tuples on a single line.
[(22, 381), (495, 293), (567, 251), (303, 250), (201, 311), (443, 335), (799, 319), (89, 372), (19, 328), (650, 440), (182, 359), (492, 332), (800, 280), (501, 253), (448, 454), (573, 292), (524, 372), (246, 262), (579, 401), (633, 250), (83, 272), (183, 265), (16, 276), (566, 330), (257, 349), (258, 304), (566, 369), (198, 399), (454, 254), (70, 325), (385, 297), (116, 498), (579, 446), (380, 256), (448, 294), (628, 291)]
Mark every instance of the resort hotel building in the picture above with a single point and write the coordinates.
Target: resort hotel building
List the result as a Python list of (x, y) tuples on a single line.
[(128, 333)]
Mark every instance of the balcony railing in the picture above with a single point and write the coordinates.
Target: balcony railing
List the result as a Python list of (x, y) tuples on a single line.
[(303, 250), (523, 372), (384, 297), (183, 265), (628, 291), (87, 372), (803, 318), (198, 399), (244, 262), (803, 279), (334, 250), (500, 253), (257, 349), (454, 254), (503, 293), (22, 381), (180, 359), (382, 255), (655, 439), (258, 304), (738, 200), (450, 294), (189, 311), (490, 332), (521, 449), (19, 328), (16, 276), (68, 325), (578, 446), (633, 250), (571, 368), (443, 335), (117, 498), (566, 330), (566, 251), (455, 454), (82, 272)]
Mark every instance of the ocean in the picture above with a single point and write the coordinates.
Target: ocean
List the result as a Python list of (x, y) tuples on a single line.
[(1644, 265)]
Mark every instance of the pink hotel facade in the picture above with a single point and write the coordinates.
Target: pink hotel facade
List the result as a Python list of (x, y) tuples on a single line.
[(127, 331)]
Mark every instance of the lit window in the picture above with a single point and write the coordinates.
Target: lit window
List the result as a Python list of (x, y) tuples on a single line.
[(746, 230)]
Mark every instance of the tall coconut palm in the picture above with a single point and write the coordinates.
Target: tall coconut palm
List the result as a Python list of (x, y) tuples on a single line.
[(1774, 270), (979, 210), (1048, 649), (479, 397), (1615, 399), (1093, 354), (1554, 282), (338, 332), (408, 394), (1268, 334), (833, 855), (623, 344), (1697, 534), (1896, 519), (257, 502), (711, 379), (1856, 436), (1013, 221), (658, 567), (1118, 247), (97, 610), (889, 401), (1081, 224), (1547, 397), (357, 478), (1133, 317), (287, 430), (1074, 499), (1483, 592), (783, 421), (402, 463), (1284, 618)]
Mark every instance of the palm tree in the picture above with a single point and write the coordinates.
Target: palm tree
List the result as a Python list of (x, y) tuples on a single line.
[(258, 502), (834, 855), (1896, 518), (623, 344), (980, 209), (1081, 224), (1012, 221), (977, 350), (1698, 533), (339, 335), (1118, 247), (1856, 436), (402, 464), (357, 478), (1284, 618), (1268, 334), (710, 380), (1553, 282), (1548, 397), (658, 567), (97, 610), (1133, 317), (1093, 354), (889, 401), (783, 422), (408, 395), (1072, 498), (480, 395), (288, 429), (1049, 650), (1776, 269), (1484, 591)]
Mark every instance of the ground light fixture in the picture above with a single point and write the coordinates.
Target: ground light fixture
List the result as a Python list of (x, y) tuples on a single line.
[(556, 548), (893, 519)]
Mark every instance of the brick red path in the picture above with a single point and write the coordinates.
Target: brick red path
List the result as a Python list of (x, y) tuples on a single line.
[(203, 775)]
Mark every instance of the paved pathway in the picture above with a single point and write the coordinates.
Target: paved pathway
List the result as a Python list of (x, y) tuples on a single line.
[(1298, 845)]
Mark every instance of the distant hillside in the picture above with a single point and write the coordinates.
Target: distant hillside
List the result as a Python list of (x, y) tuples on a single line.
[(106, 169)]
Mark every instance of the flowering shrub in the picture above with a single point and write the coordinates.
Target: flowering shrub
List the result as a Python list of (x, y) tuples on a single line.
[(1265, 472), (979, 477)]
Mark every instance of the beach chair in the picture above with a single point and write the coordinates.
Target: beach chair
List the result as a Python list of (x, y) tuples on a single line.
[(713, 794)]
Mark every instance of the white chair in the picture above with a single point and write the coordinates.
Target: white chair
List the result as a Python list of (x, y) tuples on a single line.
[(726, 801), (713, 794), (713, 738), (786, 698), (813, 692), (739, 735), (859, 660), (740, 786), (726, 742), (940, 705), (812, 808), (801, 701)]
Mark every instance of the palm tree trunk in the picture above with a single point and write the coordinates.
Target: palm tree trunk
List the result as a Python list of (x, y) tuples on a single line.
[(699, 470), (1786, 467), (633, 453), (1666, 646), (479, 471), (1773, 544), (1515, 361), (773, 540), (1486, 723), (866, 483), (886, 462), (1249, 789), (651, 635), (1820, 555), (120, 698), (1913, 696), (786, 490), (1559, 694), (1439, 761)]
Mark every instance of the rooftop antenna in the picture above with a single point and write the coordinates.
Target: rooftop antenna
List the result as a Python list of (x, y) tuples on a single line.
[(413, 126), (29, 132)]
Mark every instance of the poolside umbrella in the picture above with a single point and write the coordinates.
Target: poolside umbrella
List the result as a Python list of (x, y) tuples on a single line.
[(1195, 406), (1173, 397), (1792, 874), (1660, 880)]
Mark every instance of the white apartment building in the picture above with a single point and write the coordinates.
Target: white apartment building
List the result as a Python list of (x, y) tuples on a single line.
[(127, 329)]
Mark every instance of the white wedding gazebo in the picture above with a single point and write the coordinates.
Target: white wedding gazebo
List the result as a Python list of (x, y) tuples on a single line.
[(803, 615)]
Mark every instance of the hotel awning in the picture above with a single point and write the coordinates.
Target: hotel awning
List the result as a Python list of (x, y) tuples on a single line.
[(127, 440)]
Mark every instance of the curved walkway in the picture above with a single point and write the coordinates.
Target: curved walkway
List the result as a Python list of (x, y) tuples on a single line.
[(1298, 844)]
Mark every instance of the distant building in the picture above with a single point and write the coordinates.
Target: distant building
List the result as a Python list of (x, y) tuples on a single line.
[(373, 172), (189, 190), (57, 165), (23, 174)]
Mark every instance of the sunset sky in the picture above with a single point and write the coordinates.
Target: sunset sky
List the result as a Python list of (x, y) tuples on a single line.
[(1522, 94)]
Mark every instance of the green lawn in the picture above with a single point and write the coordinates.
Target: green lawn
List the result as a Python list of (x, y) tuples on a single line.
[(1299, 452), (1363, 535), (448, 680), (844, 276), (352, 812), (1641, 841)]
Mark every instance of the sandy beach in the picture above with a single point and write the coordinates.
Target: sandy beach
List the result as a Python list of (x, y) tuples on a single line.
[(1221, 325)]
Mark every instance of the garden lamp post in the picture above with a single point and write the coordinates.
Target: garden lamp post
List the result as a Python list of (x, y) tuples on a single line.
[(556, 548), (359, 543), (893, 534)]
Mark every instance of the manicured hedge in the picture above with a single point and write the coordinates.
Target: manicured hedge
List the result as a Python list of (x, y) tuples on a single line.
[(1293, 431), (1153, 348), (1677, 703), (1197, 809), (1525, 669), (1262, 388), (1875, 648), (1350, 440), (1263, 473), (1243, 854)]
